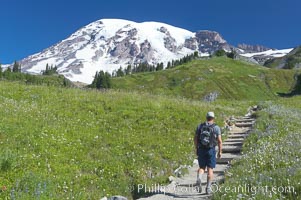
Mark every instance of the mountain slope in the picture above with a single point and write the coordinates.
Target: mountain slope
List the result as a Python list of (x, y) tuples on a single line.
[(216, 78), (108, 44), (290, 61)]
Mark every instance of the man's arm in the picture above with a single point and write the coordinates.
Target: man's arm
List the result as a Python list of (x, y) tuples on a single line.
[(196, 140), (196, 143), (220, 146)]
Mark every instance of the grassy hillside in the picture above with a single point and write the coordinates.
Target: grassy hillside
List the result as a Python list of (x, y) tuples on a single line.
[(271, 163), (229, 78), (60, 143), (65, 143)]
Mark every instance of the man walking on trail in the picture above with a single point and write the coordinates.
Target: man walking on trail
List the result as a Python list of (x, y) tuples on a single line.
[(207, 136)]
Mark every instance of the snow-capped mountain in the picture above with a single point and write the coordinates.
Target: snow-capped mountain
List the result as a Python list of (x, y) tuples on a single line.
[(108, 44)]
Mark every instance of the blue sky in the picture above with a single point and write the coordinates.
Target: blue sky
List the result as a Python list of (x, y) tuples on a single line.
[(29, 26)]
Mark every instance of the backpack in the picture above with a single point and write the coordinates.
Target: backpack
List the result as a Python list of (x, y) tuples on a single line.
[(207, 137)]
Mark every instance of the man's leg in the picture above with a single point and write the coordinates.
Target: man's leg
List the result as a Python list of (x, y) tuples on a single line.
[(200, 173), (210, 167), (203, 159), (209, 179)]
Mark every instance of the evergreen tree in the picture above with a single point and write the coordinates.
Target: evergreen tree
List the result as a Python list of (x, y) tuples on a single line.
[(160, 66), (101, 80), (50, 70), (107, 80), (172, 63), (93, 85), (47, 67), (128, 70), (231, 54), (16, 67), (220, 53), (168, 65), (66, 82), (196, 54), (120, 72)]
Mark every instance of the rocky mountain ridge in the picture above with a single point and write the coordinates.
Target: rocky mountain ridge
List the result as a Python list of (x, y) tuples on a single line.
[(247, 48)]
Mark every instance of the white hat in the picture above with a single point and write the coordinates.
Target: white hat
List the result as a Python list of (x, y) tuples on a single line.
[(210, 114)]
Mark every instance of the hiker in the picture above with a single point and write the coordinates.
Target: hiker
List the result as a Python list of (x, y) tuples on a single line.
[(207, 135)]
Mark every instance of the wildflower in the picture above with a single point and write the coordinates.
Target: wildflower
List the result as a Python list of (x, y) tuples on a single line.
[(4, 188)]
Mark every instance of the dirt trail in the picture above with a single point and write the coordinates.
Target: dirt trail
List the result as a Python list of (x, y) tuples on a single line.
[(184, 189)]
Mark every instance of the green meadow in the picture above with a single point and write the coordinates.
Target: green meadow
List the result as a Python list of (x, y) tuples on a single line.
[(70, 143)]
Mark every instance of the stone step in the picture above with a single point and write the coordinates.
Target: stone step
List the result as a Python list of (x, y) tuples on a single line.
[(234, 140), (223, 161), (232, 150), (244, 124), (235, 136), (238, 132), (230, 155), (246, 117), (251, 120), (244, 120), (227, 143), (220, 168)]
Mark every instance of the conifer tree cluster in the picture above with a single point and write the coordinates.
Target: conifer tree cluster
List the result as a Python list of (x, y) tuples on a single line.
[(50, 70), (185, 59), (141, 67), (14, 74), (102, 80), (145, 67), (15, 69)]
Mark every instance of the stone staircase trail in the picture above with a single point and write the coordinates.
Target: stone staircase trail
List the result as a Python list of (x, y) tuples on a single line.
[(183, 188)]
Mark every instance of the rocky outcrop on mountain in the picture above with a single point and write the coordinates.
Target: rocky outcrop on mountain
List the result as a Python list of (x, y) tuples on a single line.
[(191, 43), (146, 52), (169, 42), (207, 42), (252, 48), (211, 41)]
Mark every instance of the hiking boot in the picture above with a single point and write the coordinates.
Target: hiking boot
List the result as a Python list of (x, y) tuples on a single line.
[(208, 190), (199, 185)]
